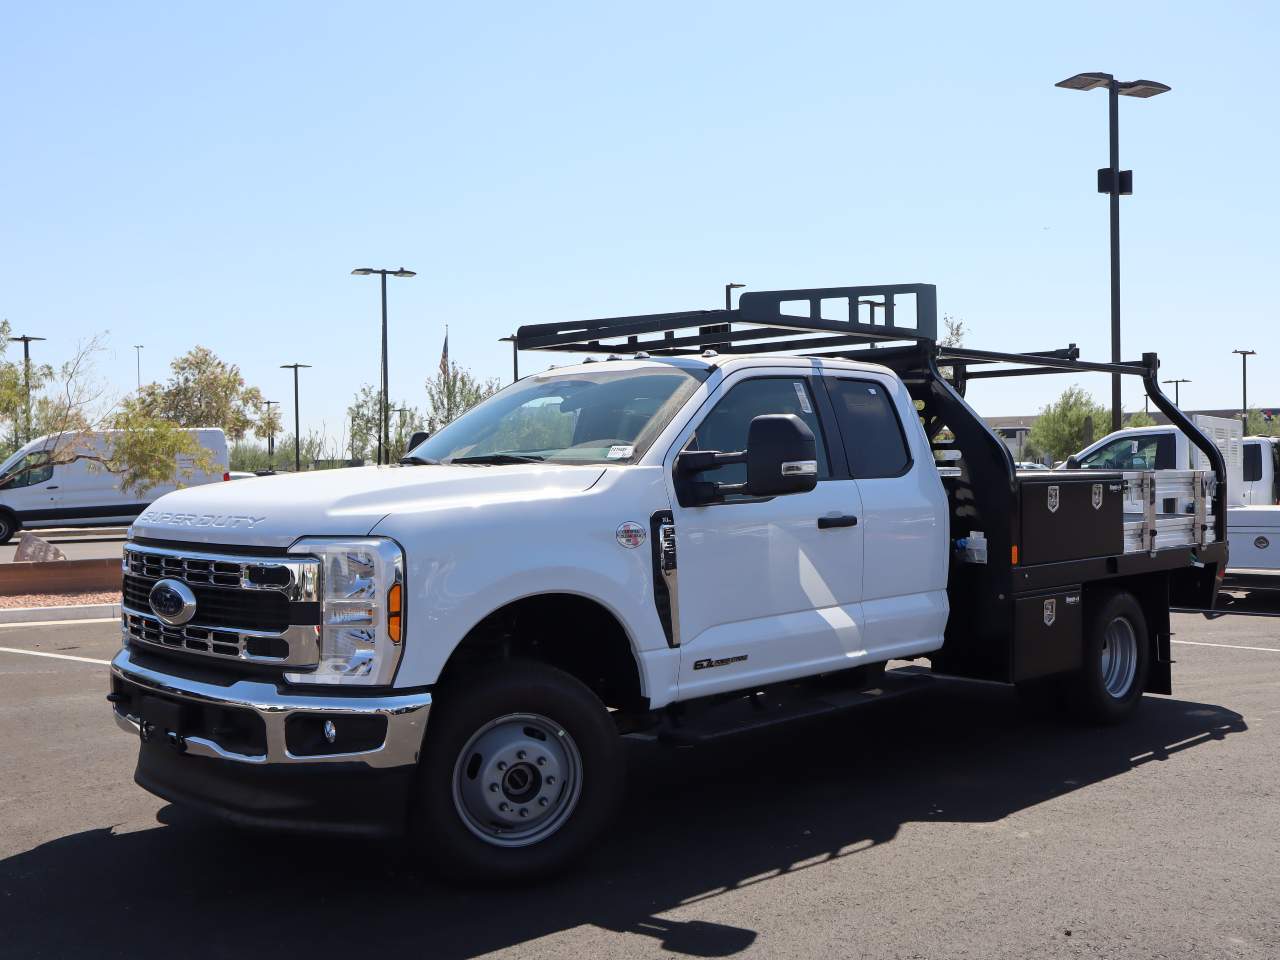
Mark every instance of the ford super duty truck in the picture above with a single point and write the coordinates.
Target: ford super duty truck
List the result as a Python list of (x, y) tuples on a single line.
[(733, 520)]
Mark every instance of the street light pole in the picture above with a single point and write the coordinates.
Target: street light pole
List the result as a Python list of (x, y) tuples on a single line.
[(297, 419), (138, 349), (1244, 386), (1177, 393), (1114, 182), (271, 434), (384, 413), (26, 342)]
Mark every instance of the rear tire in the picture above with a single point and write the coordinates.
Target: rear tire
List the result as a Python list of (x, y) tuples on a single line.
[(8, 526), (521, 771), (1117, 657)]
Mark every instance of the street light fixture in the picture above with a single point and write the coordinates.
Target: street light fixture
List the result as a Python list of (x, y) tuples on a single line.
[(138, 348), (1114, 182), (26, 342), (1177, 393), (384, 431), (297, 420), (1244, 386)]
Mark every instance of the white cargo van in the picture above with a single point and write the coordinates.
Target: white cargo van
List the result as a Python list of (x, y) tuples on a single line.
[(35, 493)]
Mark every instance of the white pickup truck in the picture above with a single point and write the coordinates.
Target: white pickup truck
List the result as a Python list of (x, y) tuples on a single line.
[(1253, 484), (677, 544)]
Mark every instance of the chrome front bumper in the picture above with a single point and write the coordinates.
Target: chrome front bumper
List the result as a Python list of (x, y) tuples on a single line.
[(405, 715)]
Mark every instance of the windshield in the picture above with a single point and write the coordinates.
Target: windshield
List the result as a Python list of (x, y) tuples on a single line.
[(592, 416)]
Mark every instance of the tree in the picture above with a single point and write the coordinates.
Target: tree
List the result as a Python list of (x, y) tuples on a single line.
[(204, 391), (453, 391), (365, 424), (1257, 424), (1140, 419), (955, 332), (1065, 426)]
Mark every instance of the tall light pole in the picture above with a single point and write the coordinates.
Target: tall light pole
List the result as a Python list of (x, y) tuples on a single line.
[(1114, 182), (1177, 393), (138, 350), (384, 419), (271, 433), (1244, 386), (297, 420), (26, 342)]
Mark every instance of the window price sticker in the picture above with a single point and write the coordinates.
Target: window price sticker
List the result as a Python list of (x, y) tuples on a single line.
[(802, 397)]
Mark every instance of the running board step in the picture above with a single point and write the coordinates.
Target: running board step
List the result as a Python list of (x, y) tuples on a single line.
[(772, 707)]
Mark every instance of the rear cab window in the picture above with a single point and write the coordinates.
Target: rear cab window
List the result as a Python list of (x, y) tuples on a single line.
[(874, 441)]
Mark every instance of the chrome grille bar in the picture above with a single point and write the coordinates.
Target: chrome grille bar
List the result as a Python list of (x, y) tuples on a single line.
[(293, 647), (298, 578)]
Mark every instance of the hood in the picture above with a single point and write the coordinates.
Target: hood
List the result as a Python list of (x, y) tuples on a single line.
[(275, 511)]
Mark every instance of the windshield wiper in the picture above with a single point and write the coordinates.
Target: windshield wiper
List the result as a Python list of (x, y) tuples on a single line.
[(424, 461), (500, 458)]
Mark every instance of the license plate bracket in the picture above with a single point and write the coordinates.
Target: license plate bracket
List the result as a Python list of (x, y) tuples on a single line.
[(161, 715)]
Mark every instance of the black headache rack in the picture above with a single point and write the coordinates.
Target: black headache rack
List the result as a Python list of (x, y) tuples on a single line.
[(1001, 609)]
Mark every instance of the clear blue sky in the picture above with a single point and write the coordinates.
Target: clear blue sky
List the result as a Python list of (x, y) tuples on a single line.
[(192, 173)]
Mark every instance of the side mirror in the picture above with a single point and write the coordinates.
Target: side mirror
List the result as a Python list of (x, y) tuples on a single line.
[(1072, 463), (418, 437), (782, 456)]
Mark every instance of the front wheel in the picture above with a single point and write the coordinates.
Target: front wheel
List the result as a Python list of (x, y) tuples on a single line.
[(8, 526), (1117, 656), (521, 771)]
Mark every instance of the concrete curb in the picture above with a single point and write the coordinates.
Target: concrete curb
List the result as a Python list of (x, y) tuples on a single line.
[(82, 611)]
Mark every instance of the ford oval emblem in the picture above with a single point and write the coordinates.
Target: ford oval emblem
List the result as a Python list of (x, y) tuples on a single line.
[(172, 601)]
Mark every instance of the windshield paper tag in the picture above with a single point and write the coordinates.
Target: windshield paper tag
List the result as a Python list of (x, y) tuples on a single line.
[(803, 398), (620, 451)]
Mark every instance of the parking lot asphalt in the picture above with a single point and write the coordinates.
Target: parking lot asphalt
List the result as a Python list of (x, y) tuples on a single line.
[(952, 824)]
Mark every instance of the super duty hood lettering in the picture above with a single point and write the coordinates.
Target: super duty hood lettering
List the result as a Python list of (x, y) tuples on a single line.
[(164, 518)]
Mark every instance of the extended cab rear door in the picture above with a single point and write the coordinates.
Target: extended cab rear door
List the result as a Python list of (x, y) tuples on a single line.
[(905, 519)]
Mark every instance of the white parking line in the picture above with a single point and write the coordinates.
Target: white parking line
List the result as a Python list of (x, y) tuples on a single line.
[(57, 623), (55, 656), (1229, 646)]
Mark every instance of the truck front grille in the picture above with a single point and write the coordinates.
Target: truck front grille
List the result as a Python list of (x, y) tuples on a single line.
[(254, 609)]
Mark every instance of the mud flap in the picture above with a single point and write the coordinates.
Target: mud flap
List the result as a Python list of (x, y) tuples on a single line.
[(1160, 676)]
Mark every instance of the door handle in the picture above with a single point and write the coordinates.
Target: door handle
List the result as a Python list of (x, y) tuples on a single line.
[(54, 487), (843, 520)]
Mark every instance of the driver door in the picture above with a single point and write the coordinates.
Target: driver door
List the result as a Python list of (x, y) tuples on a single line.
[(766, 592)]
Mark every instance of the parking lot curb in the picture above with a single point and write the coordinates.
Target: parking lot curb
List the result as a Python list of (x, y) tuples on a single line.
[(81, 611)]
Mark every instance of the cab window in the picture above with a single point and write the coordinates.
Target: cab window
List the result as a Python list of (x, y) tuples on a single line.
[(1151, 452), (873, 438), (725, 427), (32, 469), (1252, 462)]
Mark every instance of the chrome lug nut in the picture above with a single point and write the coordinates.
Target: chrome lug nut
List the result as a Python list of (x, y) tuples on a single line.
[(524, 811), (542, 761), (520, 754), (502, 764), (493, 788), (543, 801)]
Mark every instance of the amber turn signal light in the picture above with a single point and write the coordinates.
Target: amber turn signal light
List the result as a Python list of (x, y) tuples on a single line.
[(393, 613)]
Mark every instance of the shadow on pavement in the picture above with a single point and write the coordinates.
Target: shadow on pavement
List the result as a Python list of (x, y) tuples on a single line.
[(697, 823)]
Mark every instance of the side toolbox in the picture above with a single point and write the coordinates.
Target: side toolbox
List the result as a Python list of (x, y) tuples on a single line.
[(1070, 515)]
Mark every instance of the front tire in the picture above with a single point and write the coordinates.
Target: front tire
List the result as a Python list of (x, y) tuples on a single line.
[(1117, 657), (522, 769), (8, 526)]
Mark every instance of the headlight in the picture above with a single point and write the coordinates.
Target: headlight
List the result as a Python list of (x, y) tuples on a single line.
[(362, 613)]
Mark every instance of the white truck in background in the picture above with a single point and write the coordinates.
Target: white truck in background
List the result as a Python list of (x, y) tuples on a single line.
[(1253, 507), (37, 491)]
